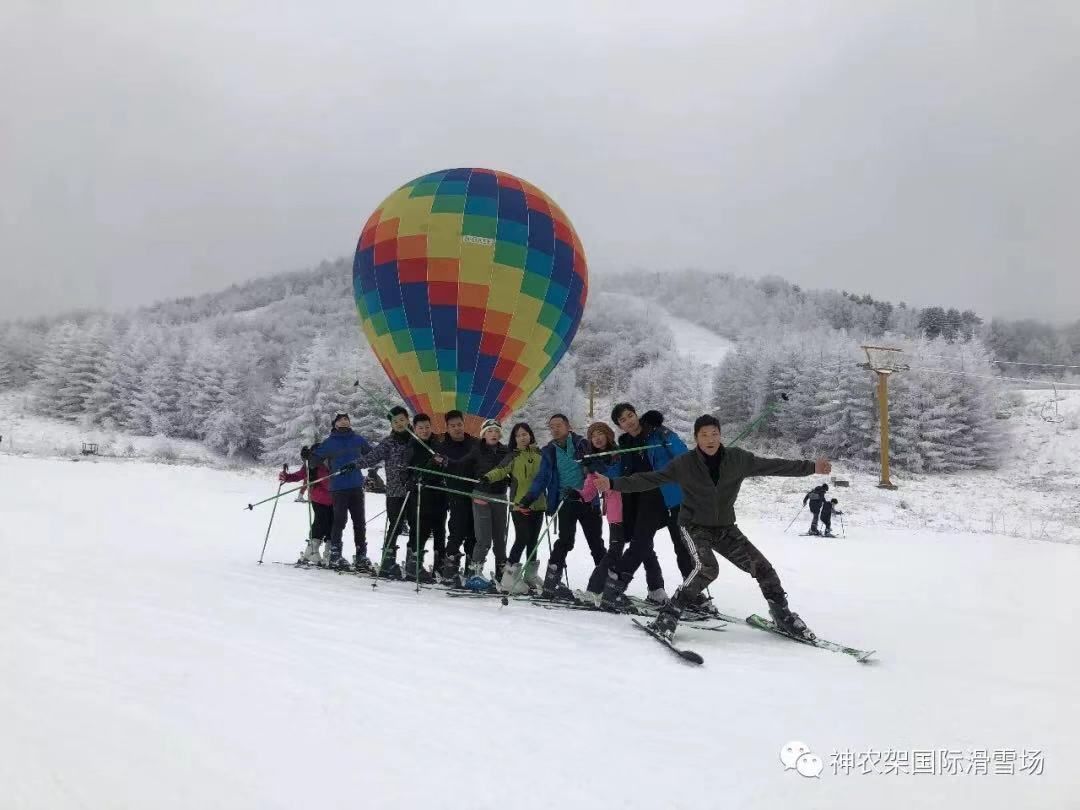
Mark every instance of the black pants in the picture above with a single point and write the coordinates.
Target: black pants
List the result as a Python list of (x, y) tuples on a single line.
[(571, 514), (526, 535), (654, 574), (705, 542), (682, 556), (349, 503), (826, 521), (432, 523), (322, 521), (815, 510), (643, 516), (462, 534), (397, 515)]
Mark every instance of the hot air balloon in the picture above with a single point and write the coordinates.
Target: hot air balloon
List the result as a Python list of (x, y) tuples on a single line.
[(470, 285)]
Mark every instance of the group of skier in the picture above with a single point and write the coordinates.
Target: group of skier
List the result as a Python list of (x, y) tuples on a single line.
[(644, 481)]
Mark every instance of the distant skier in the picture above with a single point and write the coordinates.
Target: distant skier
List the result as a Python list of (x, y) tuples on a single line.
[(431, 506), (828, 509), (341, 450), (815, 498), (394, 452), (710, 477), (560, 472), (322, 505), (521, 465), (455, 445)]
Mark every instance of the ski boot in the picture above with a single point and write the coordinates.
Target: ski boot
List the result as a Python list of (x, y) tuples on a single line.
[(813, 532), (411, 572), (701, 605), (553, 586), (587, 598), (614, 596), (532, 577), (310, 555), (338, 561), (828, 533), (361, 564), (388, 568), (511, 581), (475, 579), (450, 571), (790, 622), (667, 620)]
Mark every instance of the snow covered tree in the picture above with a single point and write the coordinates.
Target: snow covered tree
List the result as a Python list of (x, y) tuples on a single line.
[(557, 394), (676, 387), (61, 347), (154, 407)]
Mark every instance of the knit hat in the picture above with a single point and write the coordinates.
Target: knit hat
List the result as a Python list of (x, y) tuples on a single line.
[(333, 422), (605, 429), (490, 424)]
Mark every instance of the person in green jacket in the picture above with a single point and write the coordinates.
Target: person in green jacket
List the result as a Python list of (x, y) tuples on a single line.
[(710, 476), (520, 465)]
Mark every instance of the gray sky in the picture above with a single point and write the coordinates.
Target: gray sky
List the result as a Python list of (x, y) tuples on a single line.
[(919, 151)]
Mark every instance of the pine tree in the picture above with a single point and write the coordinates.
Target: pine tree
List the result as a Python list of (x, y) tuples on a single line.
[(61, 346), (155, 405), (557, 394)]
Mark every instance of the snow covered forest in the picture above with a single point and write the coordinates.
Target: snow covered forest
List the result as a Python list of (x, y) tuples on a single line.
[(257, 370)]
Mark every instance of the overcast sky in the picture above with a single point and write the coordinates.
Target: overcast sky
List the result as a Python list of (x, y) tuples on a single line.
[(919, 151)]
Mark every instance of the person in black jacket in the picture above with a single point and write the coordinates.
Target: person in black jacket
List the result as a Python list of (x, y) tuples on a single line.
[(828, 509), (455, 445), (430, 503), (815, 497), (710, 477)]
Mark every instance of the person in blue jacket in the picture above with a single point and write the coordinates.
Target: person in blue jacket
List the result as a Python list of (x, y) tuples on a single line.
[(560, 477), (652, 447), (340, 451)]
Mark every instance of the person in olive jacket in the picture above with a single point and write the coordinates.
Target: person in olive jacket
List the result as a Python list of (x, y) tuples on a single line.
[(710, 477), (521, 465)]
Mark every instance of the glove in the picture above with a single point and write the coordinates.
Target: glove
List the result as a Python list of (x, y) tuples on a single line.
[(305, 453), (348, 468), (573, 495), (281, 477)]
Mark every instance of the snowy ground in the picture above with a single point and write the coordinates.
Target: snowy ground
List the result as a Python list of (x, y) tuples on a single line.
[(25, 432), (695, 342), (149, 662)]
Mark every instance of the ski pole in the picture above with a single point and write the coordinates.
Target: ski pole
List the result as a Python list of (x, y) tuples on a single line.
[(285, 469), (477, 496), (416, 536), (281, 494), (618, 452), (765, 414), (441, 474), (386, 409), (380, 514), (843, 531), (794, 519), (392, 533)]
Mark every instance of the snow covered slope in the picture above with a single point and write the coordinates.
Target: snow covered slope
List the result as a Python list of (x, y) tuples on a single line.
[(147, 661), (695, 342)]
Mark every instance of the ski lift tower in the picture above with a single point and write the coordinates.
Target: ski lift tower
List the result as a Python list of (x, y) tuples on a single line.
[(884, 362)]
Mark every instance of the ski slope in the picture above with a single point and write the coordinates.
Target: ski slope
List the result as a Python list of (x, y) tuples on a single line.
[(147, 661)]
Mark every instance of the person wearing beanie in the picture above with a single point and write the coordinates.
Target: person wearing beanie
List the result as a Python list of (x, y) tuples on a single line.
[(710, 476), (489, 519), (828, 509), (340, 451), (315, 484), (650, 446), (815, 498), (561, 474), (394, 453)]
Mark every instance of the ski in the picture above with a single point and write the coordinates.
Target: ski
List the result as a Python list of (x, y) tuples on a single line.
[(703, 623), (689, 656), (862, 656)]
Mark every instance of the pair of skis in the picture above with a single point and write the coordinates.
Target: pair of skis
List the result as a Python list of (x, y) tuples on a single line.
[(862, 656)]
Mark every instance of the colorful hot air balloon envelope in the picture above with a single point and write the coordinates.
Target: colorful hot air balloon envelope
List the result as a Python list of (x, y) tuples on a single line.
[(470, 285)]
